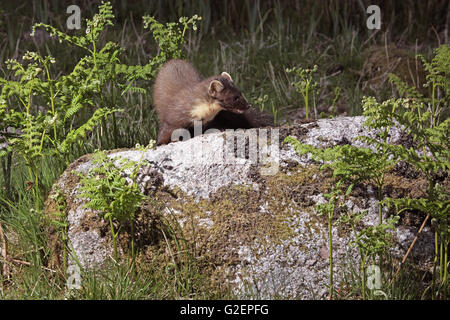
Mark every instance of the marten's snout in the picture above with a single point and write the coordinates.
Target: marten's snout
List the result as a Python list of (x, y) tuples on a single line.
[(247, 106), (240, 105), (234, 103)]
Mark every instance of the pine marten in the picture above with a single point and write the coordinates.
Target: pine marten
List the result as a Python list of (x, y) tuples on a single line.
[(181, 96)]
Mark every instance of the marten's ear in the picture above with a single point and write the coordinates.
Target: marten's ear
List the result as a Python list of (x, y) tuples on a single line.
[(226, 75), (215, 86)]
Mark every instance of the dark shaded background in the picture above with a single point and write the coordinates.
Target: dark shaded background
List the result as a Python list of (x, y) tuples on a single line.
[(411, 19)]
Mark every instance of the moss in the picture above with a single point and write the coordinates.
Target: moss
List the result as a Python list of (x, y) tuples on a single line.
[(174, 229), (296, 130), (205, 230)]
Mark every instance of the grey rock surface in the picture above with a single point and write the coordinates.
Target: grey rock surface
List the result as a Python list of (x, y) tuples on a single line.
[(294, 266)]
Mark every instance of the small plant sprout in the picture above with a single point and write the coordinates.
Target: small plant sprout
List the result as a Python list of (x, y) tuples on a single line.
[(306, 86)]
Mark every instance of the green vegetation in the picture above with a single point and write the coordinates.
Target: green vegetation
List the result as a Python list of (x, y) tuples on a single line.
[(53, 115), (66, 93), (306, 85), (110, 194), (430, 155)]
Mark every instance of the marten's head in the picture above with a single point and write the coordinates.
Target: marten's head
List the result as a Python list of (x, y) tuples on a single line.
[(223, 90)]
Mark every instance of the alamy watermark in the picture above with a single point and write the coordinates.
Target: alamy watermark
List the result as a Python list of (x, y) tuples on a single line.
[(74, 277), (257, 146), (374, 20), (74, 20), (373, 282)]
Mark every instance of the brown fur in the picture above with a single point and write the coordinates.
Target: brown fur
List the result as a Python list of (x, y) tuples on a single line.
[(181, 97)]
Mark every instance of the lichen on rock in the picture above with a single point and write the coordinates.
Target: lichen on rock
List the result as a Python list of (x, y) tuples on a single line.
[(258, 233)]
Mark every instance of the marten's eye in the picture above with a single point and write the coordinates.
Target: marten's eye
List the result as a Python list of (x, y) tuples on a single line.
[(236, 98)]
